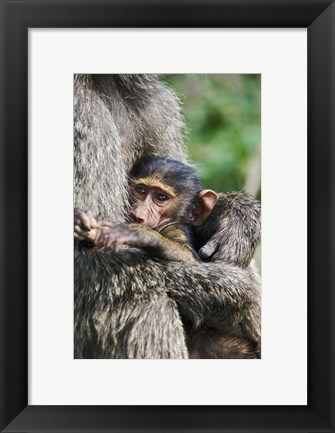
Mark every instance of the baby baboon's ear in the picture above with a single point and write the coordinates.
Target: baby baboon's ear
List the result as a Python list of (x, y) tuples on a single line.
[(205, 203)]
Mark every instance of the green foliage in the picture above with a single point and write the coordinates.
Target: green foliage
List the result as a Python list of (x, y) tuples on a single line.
[(222, 113)]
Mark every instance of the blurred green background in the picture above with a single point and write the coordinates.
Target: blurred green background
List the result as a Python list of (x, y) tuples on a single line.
[(223, 117)]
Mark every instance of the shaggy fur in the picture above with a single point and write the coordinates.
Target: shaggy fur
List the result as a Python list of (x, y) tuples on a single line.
[(235, 239), (128, 305), (125, 305), (117, 120)]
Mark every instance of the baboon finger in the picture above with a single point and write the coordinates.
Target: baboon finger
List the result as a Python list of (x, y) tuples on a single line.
[(105, 224), (209, 249), (79, 237), (113, 245), (99, 238), (80, 231), (82, 219), (218, 256), (91, 235), (92, 221), (106, 241), (78, 221)]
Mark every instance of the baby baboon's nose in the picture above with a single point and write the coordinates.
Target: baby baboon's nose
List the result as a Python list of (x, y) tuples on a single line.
[(137, 218)]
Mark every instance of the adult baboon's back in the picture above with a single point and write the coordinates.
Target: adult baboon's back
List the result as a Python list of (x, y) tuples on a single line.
[(128, 305)]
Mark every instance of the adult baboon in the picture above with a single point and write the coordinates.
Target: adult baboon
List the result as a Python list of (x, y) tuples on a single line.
[(127, 304)]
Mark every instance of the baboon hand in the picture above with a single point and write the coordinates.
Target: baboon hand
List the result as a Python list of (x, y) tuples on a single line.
[(209, 250), (233, 230), (84, 225), (113, 237), (221, 248), (213, 249)]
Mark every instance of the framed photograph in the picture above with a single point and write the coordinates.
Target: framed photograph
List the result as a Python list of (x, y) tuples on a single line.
[(266, 59), (187, 182), (270, 52)]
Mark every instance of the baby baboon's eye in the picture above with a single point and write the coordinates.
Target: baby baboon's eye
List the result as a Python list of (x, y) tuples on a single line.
[(140, 190), (162, 197)]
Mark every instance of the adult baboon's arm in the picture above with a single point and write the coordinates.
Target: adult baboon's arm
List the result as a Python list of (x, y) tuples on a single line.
[(216, 295)]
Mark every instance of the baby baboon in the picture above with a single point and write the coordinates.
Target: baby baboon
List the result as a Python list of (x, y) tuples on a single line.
[(128, 305), (167, 200)]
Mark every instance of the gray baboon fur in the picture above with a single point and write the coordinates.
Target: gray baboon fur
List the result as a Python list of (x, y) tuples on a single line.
[(128, 305), (118, 119), (240, 218)]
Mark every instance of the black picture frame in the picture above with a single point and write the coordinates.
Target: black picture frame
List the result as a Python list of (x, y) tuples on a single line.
[(318, 17)]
